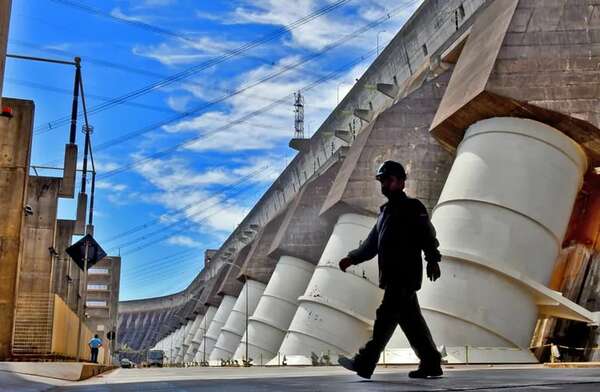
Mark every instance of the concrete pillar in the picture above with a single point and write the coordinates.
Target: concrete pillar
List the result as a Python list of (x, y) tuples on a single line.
[(335, 312), (275, 310), (214, 329), (234, 327), (501, 219), (201, 333), (15, 145)]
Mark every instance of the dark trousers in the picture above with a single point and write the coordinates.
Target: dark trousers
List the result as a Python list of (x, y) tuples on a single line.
[(94, 354), (399, 307)]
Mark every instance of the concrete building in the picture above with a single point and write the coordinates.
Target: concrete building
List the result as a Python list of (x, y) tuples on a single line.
[(492, 106), (102, 300), (40, 285)]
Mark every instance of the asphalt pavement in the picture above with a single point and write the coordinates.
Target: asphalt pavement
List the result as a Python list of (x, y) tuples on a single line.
[(456, 378)]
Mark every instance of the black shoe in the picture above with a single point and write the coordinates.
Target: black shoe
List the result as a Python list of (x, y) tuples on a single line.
[(426, 372), (348, 363)]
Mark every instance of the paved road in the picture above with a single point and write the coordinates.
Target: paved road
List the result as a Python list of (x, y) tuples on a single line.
[(530, 378)]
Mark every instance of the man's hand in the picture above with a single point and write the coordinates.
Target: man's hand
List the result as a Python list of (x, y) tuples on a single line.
[(345, 263), (433, 271)]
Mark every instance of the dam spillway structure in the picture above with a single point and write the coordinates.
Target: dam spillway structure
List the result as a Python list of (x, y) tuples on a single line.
[(254, 273), (228, 291), (293, 251), (494, 115), (336, 301)]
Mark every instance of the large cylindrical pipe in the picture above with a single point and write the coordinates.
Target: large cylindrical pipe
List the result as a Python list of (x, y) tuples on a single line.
[(179, 341), (336, 311), (276, 308), (234, 328), (200, 333), (189, 334), (187, 342), (505, 207), (214, 330)]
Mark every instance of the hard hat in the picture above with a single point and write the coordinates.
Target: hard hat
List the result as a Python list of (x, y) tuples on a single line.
[(391, 168)]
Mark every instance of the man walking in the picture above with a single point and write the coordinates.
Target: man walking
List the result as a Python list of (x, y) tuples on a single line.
[(95, 343), (402, 231)]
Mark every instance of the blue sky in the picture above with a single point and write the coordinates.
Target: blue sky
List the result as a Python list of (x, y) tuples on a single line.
[(163, 210)]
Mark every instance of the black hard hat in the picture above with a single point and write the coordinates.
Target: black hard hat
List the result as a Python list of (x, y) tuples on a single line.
[(391, 168)]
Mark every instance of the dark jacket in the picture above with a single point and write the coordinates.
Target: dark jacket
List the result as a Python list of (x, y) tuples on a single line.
[(402, 230)]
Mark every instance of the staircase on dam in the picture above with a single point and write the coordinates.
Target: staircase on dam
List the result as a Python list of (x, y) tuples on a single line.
[(33, 324)]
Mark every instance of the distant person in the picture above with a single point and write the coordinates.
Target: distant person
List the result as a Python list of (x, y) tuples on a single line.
[(402, 230), (95, 343)]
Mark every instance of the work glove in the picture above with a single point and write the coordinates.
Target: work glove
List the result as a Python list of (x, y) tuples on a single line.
[(433, 271), (345, 263)]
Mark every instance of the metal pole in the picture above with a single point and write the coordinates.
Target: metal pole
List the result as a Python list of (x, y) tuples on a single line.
[(73, 131), (91, 215), (204, 344), (247, 337), (83, 299), (85, 158)]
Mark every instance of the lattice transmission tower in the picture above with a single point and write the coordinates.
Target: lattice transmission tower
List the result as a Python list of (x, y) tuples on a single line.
[(299, 115)]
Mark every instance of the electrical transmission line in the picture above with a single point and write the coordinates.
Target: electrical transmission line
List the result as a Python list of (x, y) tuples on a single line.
[(338, 43), (241, 120), (202, 66)]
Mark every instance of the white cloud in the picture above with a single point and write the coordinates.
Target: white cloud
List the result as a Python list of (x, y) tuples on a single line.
[(173, 174), (187, 194), (178, 103), (167, 54), (210, 16), (103, 184), (191, 48), (158, 3), (184, 241), (314, 35), (271, 128), (117, 13), (103, 166)]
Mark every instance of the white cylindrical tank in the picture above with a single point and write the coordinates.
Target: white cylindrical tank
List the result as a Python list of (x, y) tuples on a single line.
[(200, 333), (179, 349), (171, 346), (214, 329), (504, 209), (234, 328), (276, 308), (182, 339), (187, 341), (336, 311)]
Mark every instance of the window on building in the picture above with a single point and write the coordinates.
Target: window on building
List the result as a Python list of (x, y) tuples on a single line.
[(95, 304), (98, 271), (98, 287), (424, 50)]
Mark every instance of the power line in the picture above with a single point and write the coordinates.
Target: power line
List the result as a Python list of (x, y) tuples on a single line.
[(166, 32), (240, 120), (125, 68), (177, 222), (65, 91), (340, 42), (147, 244), (158, 261), (202, 66), (152, 222)]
